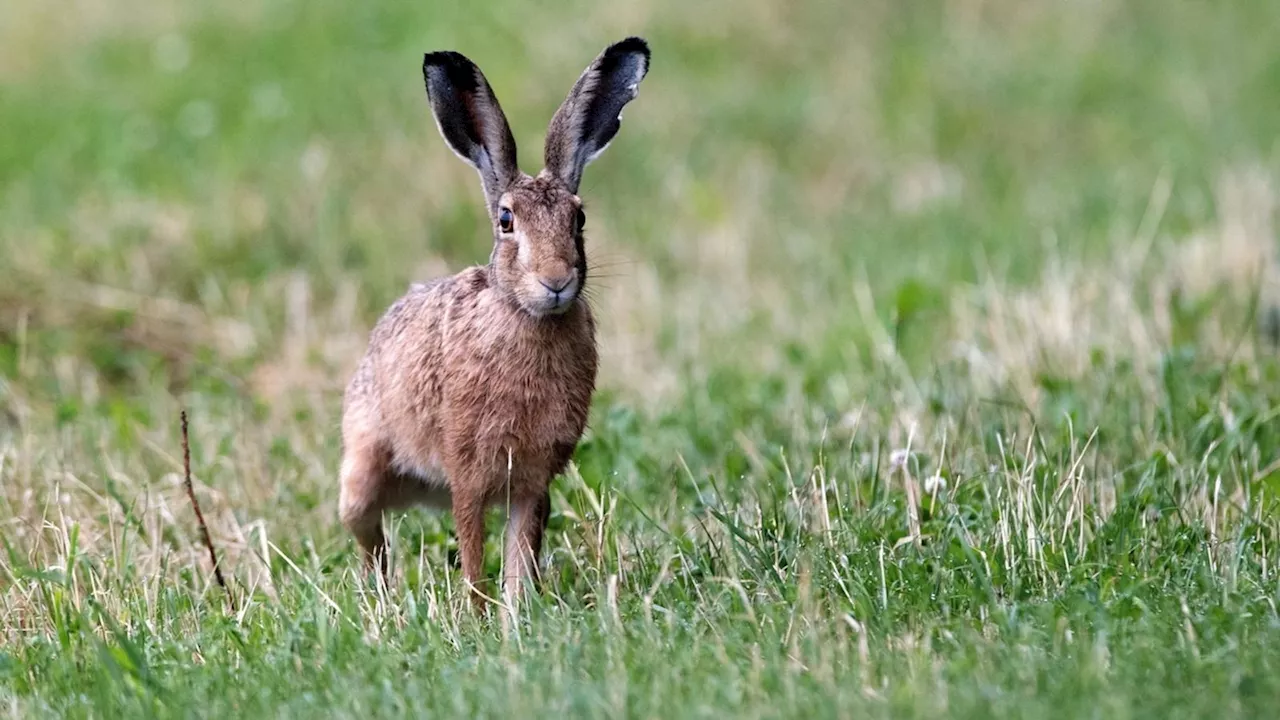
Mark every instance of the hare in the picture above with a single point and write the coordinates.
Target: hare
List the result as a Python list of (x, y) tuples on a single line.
[(475, 388)]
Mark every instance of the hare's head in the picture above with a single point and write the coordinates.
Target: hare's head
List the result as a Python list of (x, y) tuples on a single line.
[(538, 258)]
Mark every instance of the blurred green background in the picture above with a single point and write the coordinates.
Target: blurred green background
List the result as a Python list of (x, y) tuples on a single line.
[(827, 230), (211, 155)]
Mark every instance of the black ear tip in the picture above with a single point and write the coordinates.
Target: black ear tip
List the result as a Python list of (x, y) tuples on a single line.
[(444, 59), (455, 66), (630, 45)]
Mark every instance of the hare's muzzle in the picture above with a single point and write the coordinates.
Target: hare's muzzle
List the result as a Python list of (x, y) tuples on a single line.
[(559, 291)]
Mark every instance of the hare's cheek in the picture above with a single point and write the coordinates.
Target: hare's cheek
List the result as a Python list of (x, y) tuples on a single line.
[(523, 254)]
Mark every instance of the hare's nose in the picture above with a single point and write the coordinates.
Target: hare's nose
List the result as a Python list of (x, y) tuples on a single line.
[(557, 285)]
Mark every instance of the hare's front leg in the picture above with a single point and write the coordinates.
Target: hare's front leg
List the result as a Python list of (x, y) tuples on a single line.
[(468, 524), (526, 523)]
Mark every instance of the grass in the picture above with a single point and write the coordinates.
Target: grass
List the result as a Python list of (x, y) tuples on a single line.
[(844, 249)]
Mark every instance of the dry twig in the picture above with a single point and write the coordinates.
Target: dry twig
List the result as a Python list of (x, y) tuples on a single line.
[(204, 529)]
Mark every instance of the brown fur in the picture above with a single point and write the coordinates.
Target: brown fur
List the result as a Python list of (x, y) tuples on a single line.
[(475, 388)]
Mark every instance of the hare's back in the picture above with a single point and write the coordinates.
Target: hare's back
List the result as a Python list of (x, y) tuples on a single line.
[(400, 371)]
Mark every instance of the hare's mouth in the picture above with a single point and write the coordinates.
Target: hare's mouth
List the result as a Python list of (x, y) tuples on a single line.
[(551, 298), (550, 304)]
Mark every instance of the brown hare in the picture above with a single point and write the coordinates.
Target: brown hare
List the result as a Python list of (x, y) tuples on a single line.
[(475, 388)]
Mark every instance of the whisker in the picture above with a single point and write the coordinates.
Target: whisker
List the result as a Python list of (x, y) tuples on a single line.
[(611, 258), (610, 266), (609, 271), (598, 255)]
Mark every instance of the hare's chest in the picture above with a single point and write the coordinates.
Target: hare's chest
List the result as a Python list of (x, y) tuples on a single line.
[(524, 396)]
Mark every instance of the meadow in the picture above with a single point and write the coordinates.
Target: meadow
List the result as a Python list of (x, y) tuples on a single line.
[(940, 360)]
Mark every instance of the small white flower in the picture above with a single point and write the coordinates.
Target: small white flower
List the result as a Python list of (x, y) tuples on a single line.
[(935, 484), (898, 458)]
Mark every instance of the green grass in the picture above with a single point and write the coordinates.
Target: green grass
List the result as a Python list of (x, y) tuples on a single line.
[(843, 248)]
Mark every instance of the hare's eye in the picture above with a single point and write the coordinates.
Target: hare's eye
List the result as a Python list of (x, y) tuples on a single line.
[(580, 221), (506, 221)]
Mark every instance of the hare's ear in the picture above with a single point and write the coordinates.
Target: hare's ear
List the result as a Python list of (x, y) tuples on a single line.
[(471, 120), (592, 114)]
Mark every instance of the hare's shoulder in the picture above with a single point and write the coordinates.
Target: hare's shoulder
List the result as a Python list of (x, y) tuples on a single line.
[(426, 303)]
